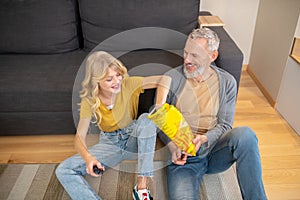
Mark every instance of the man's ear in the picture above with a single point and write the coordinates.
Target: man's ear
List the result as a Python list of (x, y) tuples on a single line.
[(214, 55)]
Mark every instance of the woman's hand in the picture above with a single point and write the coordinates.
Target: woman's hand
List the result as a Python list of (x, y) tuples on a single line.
[(81, 148), (90, 163)]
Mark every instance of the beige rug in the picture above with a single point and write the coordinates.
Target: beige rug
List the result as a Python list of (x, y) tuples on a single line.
[(38, 181)]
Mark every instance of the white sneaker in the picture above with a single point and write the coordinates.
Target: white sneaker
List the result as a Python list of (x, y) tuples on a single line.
[(141, 194)]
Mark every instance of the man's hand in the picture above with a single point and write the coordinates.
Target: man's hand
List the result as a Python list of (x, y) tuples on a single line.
[(199, 140), (178, 156)]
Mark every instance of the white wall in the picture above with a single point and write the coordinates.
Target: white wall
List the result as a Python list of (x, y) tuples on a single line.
[(273, 37), (297, 32), (289, 96), (239, 17)]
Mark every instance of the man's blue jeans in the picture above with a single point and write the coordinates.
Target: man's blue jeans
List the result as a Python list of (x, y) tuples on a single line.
[(136, 141), (238, 145)]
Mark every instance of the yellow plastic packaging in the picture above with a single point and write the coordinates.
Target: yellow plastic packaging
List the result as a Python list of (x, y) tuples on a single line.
[(173, 124)]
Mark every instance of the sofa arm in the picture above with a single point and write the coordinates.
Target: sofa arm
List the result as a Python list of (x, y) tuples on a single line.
[(230, 56)]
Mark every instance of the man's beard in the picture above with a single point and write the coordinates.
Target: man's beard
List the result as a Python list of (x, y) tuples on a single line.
[(199, 71)]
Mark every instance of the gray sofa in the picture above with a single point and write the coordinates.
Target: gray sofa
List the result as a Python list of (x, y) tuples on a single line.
[(43, 44)]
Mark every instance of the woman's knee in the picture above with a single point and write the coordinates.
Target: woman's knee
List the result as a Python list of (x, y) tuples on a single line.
[(62, 169), (143, 120), (145, 126), (59, 171)]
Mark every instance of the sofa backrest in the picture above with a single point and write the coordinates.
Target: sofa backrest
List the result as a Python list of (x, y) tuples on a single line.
[(102, 19), (38, 26), (56, 26)]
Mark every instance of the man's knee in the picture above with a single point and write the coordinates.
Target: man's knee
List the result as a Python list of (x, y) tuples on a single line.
[(244, 136), (183, 181)]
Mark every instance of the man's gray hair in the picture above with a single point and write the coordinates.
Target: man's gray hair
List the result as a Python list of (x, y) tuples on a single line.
[(212, 38)]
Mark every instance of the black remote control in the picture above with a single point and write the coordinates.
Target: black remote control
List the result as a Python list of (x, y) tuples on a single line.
[(97, 170)]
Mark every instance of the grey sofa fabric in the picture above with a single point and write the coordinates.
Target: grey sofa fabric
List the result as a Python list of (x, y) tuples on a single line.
[(41, 81), (38, 26), (36, 93), (112, 17), (44, 43)]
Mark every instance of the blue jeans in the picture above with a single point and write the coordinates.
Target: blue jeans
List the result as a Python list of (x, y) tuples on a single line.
[(238, 145), (136, 141)]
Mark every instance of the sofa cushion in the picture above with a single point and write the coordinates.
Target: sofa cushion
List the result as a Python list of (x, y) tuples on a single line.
[(36, 123), (102, 19), (38, 26), (38, 83)]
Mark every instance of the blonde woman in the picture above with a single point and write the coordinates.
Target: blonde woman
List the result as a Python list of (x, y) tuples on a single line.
[(111, 97)]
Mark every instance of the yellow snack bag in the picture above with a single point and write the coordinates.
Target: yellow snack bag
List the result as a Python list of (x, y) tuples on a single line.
[(173, 124)]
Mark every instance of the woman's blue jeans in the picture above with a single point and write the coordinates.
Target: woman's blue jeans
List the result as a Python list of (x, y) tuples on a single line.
[(136, 141), (238, 145)]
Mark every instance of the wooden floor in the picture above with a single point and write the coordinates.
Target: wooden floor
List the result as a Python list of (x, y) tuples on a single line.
[(278, 142)]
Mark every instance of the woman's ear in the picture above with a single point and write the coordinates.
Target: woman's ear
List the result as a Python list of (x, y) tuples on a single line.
[(214, 55)]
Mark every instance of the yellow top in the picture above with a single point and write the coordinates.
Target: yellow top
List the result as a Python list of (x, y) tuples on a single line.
[(125, 108)]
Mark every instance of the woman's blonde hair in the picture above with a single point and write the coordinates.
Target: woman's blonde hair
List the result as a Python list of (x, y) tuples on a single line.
[(97, 65)]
